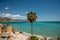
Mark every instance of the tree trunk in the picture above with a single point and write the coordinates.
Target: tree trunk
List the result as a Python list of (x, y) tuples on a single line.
[(31, 28)]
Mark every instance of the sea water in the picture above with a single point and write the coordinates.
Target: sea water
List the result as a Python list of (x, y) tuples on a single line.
[(43, 28)]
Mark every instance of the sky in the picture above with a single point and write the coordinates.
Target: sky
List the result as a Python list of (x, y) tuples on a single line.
[(46, 10)]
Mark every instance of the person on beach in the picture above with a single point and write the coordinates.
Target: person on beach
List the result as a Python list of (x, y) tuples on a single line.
[(4, 35)]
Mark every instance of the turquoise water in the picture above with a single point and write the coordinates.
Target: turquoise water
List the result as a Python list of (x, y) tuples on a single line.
[(39, 28)]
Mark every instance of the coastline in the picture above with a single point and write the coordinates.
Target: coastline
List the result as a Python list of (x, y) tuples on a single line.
[(14, 34), (46, 29), (40, 36)]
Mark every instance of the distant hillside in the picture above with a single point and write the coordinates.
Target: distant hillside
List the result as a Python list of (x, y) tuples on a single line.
[(6, 19)]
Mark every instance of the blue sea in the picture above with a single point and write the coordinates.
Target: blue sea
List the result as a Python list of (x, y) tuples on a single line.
[(44, 28)]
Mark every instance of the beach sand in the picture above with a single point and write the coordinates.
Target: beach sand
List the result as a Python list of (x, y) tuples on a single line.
[(25, 36)]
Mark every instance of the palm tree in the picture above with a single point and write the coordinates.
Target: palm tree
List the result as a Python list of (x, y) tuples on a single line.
[(31, 16)]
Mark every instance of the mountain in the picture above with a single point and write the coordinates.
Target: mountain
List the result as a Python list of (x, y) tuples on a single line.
[(6, 19)]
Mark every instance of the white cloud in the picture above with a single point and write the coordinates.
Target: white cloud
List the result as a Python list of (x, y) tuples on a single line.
[(26, 12), (16, 16), (6, 8)]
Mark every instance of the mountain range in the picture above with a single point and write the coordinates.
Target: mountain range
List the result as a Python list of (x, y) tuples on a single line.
[(6, 19)]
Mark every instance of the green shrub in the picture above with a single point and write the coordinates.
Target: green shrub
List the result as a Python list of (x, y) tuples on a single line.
[(33, 38)]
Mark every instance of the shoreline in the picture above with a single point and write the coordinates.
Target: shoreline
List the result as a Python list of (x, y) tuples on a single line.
[(40, 36), (15, 34), (35, 35)]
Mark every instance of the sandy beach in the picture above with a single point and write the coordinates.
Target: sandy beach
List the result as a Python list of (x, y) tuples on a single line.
[(25, 36)]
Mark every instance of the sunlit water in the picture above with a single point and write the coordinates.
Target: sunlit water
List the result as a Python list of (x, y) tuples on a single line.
[(39, 28)]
